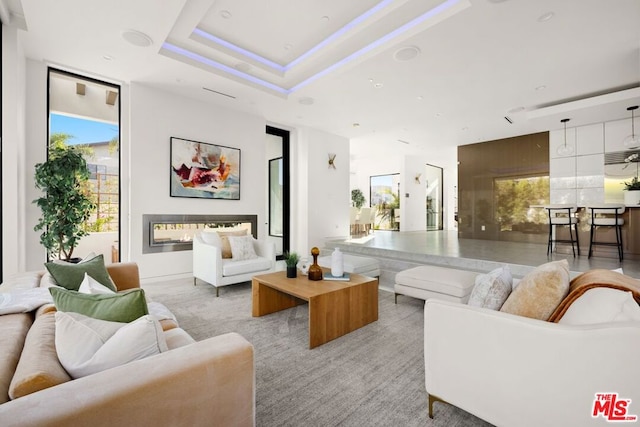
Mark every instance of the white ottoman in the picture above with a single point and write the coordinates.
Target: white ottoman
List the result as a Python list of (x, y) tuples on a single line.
[(354, 264), (428, 281)]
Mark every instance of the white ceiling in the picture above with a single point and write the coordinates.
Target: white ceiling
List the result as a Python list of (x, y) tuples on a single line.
[(479, 61)]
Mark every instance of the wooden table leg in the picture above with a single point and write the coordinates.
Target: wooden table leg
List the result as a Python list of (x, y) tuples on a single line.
[(266, 300), (335, 314)]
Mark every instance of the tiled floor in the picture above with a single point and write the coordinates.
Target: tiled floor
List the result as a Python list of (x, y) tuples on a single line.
[(447, 244)]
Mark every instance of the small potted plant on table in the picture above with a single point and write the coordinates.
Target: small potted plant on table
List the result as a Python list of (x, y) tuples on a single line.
[(291, 260)]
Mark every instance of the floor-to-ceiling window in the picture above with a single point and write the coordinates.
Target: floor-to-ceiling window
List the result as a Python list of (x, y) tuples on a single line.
[(278, 226), (384, 194), (434, 204), (86, 112)]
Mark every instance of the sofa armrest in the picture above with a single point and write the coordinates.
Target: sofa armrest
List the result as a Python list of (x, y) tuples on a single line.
[(512, 370), (265, 249), (125, 275), (211, 382), (207, 261)]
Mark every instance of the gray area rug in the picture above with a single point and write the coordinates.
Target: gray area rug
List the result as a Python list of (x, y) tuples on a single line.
[(373, 376)]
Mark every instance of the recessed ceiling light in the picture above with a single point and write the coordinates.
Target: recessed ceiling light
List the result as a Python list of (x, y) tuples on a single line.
[(356, 125), (420, 98), (243, 66), (541, 87), (306, 101), (325, 19), (378, 85), (546, 16), (288, 46), (107, 57), (464, 129), (137, 38), (225, 14), (406, 53)]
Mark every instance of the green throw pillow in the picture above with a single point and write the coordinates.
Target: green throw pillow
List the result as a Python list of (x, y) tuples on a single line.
[(70, 276), (121, 307)]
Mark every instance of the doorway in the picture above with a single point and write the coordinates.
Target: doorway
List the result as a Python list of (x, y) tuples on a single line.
[(434, 204), (278, 189)]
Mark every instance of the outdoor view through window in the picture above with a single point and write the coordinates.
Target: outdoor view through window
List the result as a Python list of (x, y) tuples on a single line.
[(85, 113)]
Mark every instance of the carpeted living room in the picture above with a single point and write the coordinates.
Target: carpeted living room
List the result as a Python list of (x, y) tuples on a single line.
[(232, 135)]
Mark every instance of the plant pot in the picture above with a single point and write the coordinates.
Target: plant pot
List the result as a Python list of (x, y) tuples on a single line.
[(292, 272), (632, 197)]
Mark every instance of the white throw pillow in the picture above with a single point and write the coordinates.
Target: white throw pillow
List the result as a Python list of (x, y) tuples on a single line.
[(602, 305), (86, 345), (242, 247), (91, 286), (491, 290)]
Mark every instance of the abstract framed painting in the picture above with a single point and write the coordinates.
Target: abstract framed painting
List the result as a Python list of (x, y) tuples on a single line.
[(205, 171)]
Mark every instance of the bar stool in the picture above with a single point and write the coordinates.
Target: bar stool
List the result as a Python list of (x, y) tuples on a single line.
[(606, 215), (563, 214)]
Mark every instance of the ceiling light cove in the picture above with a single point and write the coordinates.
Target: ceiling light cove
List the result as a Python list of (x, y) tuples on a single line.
[(361, 37)]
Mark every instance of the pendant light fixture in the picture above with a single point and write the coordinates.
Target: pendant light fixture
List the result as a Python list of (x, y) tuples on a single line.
[(564, 149), (632, 141)]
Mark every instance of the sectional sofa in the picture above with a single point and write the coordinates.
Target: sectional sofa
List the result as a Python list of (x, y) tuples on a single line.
[(192, 384)]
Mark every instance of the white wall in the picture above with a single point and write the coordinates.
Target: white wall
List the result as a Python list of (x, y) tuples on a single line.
[(327, 189), (13, 153), (156, 116), (412, 209)]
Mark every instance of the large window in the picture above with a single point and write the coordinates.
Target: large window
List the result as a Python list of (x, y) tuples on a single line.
[(384, 193), (86, 112)]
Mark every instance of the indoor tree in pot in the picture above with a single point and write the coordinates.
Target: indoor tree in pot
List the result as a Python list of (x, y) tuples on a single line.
[(66, 203), (291, 260), (357, 198)]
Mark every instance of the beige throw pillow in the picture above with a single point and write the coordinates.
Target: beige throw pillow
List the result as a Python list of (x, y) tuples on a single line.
[(224, 238), (39, 367), (539, 293)]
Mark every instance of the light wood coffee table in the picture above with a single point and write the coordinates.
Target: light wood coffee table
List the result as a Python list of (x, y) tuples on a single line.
[(335, 308)]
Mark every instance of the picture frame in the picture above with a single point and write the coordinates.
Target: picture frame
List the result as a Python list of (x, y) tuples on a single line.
[(203, 170)]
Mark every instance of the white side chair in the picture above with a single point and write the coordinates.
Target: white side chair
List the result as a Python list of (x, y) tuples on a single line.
[(209, 266), (353, 219), (372, 218), (363, 219), (563, 215), (606, 215)]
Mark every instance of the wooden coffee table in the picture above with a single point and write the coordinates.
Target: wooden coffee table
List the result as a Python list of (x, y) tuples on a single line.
[(335, 308)]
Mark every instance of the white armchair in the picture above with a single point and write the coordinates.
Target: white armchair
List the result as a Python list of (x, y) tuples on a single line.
[(515, 371), (209, 266)]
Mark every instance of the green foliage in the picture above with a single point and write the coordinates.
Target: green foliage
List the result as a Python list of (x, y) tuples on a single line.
[(514, 196), (634, 184), (291, 259), (66, 203), (357, 198)]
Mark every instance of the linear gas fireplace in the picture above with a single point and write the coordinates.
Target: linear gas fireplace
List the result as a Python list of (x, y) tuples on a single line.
[(168, 233)]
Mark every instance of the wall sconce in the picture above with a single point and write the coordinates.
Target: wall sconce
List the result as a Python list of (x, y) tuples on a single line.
[(417, 178), (632, 141), (565, 150), (332, 160)]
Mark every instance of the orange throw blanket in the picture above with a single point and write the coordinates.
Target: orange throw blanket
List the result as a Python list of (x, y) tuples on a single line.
[(596, 279)]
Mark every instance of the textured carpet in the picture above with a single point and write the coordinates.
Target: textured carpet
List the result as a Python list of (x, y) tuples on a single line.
[(373, 376)]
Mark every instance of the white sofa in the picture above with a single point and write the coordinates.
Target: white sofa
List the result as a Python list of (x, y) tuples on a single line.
[(515, 371), (209, 266)]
